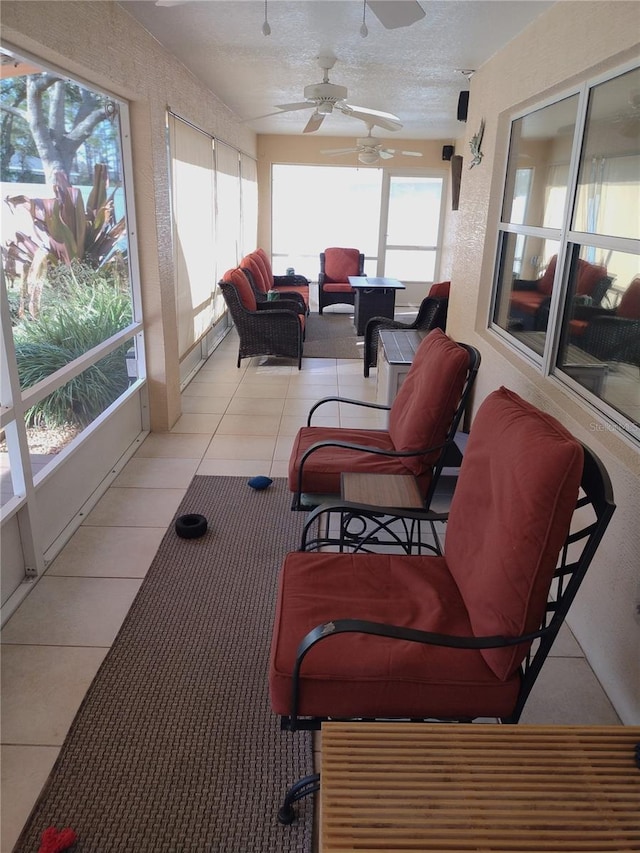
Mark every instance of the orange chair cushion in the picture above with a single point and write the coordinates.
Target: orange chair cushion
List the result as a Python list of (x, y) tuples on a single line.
[(265, 268), (340, 263), (502, 558), (528, 301), (358, 675), (241, 284), (588, 275), (257, 272), (440, 290), (629, 306), (265, 260), (424, 407), (337, 287)]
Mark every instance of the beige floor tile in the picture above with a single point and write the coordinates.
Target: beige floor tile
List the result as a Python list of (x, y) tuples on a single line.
[(223, 390), (77, 611), (284, 444), (241, 447), (312, 390), (290, 424), (196, 423), (358, 391), (254, 387), (42, 688), (110, 552), (568, 693), (279, 468), (267, 366), (157, 473), (234, 467), (317, 377), (316, 366), (256, 406), (294, 406), (178, 446), (134, 507), (249, 425), (205, 405), (24, 771)]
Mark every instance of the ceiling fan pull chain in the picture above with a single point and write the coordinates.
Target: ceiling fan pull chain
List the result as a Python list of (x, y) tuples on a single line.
[(364, 30), (266, 29)]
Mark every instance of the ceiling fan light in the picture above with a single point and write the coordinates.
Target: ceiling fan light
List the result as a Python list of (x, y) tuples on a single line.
[(368, 157), (325, 108)]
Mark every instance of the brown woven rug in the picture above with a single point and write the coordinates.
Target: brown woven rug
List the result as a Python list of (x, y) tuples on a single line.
[(175, 747), (331, 336)]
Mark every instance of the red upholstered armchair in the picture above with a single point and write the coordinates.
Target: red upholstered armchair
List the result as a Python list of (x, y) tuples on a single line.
[(336, 265), (432, 314), (456, 636), (422, 423)]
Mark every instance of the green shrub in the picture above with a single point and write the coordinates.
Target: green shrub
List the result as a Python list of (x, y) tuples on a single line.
[(79, 315)]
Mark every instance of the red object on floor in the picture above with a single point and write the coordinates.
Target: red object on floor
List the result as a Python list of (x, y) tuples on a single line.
[(55, 841)]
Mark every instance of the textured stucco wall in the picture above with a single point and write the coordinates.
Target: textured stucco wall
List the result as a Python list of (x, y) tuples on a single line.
[(99, 43), (569, 42)]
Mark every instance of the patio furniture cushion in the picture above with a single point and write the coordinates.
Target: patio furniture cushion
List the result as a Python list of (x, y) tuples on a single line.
[(257, 271), (241, 283), (528, 500), (440, 290), (362, 675), (339, 264), (425, 404)]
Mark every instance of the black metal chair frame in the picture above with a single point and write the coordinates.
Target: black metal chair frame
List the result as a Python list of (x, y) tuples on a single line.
[(273, 329), (575, 557), (472, 371), (432, 314), (338, 297)]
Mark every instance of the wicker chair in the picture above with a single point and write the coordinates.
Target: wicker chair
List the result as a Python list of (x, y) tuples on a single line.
[(336, 265), (432, 314), (265, 328)]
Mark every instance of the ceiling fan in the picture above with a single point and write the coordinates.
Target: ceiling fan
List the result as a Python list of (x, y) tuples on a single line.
[(324, 97), (370, 150)]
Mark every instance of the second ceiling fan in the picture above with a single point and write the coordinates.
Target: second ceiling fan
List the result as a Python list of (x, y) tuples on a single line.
[(370, 150), (323, 98)]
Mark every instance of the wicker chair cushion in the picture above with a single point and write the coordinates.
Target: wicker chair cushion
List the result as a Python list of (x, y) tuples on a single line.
[(629, 306), (265, 269), (340, 263), (588, 277), (337, 287), (250, 263), (354, 675), (508, 486), (427, 400), (440, 290), (321, 474), (241, 284)]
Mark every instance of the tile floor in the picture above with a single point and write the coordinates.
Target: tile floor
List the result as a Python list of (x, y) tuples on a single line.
[(55, 642)]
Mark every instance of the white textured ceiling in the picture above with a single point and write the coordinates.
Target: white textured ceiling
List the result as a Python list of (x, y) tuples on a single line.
[(410, 72)]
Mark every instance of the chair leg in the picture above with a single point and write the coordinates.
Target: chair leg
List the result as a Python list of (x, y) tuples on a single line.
[(301, 788)]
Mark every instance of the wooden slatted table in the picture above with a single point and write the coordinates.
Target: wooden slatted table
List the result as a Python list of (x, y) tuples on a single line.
[(447, 787)]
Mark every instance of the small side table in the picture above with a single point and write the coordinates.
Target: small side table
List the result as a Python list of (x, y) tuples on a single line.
[(400, 491)]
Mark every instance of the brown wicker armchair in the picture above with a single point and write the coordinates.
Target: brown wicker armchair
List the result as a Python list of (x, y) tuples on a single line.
[(264, 328), (336, 265), (432, 314)]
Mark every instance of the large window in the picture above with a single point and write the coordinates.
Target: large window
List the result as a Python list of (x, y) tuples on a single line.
[(568, 274), (393, 216)]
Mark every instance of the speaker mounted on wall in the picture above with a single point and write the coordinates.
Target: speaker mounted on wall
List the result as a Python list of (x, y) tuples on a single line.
[(463, 105), (447, 152)]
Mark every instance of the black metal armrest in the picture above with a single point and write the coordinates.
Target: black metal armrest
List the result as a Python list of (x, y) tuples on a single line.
[(394, 632), (362, 403)]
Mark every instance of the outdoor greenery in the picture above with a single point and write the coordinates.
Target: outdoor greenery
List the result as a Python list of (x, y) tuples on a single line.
[(83, 309)]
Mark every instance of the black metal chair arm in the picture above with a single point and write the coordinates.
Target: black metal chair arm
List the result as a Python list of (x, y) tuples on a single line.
[(379, 451), (348, 400), (395, 632)]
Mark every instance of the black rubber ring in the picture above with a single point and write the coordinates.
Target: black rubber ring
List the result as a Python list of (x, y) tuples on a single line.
[(191, 526)]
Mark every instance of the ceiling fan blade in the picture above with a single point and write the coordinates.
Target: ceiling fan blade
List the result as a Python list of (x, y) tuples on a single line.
[(396, 13), (171, 2), (386, 155), (372, 117), (340, 151), (314, 123), (411, 153), (299, 105)]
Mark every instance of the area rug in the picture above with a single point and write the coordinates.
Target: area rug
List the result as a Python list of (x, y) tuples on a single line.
[(331, 336), (175, 747)]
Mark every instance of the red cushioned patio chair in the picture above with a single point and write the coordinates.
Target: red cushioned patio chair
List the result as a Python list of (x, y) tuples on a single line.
[(336, 265), (457, 636), (422, 423), (432, 314)]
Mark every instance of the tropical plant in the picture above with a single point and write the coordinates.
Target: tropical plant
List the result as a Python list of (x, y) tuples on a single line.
[(63, 231), (78, 318)]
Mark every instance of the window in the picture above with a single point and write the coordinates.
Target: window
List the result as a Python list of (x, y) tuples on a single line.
[(567, 290)]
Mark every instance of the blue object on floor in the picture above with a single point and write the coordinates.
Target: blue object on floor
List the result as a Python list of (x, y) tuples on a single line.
[(260, 482)]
